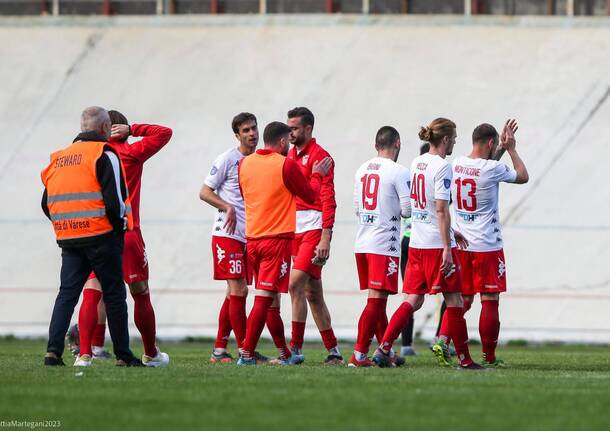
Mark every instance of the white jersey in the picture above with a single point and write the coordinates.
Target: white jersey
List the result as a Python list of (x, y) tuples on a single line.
[(475, 192), (431, 181), (223, 179), (381, 197)]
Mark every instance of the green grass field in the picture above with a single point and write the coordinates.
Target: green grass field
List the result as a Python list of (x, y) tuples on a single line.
[(545, 388)]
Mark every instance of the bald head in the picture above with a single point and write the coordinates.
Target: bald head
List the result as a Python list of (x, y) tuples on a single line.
[(95, 119)]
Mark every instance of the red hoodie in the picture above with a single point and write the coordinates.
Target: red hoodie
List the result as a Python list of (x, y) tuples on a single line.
[(311, 153), (134, 155)]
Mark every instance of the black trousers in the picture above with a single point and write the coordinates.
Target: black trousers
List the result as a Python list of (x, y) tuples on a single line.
[(105, 258), (407, 332)]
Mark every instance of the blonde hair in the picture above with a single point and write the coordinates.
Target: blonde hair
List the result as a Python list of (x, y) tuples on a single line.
[(437, 130)]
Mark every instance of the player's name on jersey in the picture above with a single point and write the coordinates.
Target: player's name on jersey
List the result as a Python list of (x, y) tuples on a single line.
[(473, 172)]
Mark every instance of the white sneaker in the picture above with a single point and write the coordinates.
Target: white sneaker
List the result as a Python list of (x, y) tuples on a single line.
[(83, 361), (160, 360)]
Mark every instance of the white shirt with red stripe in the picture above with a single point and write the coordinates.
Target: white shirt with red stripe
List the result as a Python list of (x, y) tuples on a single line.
[(223, 179), (475, 187), (431, 180), (381, 197)]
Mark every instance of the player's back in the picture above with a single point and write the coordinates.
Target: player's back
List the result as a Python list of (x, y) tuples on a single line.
[(431, 181), (475, 191), (379, 186)]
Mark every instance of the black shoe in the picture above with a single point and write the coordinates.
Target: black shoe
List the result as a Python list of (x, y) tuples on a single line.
[(130, 362), (52, 361), (260, 359), (334, 360)]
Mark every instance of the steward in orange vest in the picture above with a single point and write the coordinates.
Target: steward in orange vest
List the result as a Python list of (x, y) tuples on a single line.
[(83, 197)]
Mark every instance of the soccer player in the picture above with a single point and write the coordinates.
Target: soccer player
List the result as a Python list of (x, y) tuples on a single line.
[(407, 332), (311, 245), (135, 263), (221, 190), (269, 184), (431, 267), (381, 198), (476, 183)]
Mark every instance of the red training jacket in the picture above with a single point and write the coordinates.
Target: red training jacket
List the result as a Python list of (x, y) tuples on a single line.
[(311, 153), (134, 155)]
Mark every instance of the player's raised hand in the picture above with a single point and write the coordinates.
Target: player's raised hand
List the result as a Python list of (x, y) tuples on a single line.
[(119, 132), (322, 166), (230, 220), (460, 239), (507, 138)]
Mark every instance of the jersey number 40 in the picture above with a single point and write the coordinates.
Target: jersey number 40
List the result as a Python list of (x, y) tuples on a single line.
[(418, 190)]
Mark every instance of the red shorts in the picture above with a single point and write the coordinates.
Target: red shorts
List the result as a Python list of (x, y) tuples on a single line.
[(423, 274), (379, 272), (482, 271), (135, 263), (304, 251), (269, 259), (229, 257)]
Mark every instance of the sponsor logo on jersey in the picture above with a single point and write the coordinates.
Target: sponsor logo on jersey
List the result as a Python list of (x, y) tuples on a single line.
[(305, 159), (501, 268), (467, 217), (392, 267), (420, 217), (220, 253), (369, 218)]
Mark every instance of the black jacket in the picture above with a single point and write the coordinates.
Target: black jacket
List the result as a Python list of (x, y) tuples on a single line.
[(105, 176)]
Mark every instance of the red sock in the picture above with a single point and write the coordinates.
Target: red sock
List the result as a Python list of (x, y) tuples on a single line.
[(237, 316), (328, 338), (382, 324), (399, 320), (276, 329), (459, 333), (87, 319), (368, 322), (298, 333), (444, 331), (144, 317), (489, 328), (255, 324), (224, 326), (99, 335)]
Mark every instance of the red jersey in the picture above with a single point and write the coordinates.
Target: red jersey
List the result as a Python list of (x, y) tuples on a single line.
[(134, 155), (311, 153)]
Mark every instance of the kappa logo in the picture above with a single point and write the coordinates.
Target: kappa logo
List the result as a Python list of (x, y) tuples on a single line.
[(283, 268), (220, 253), (501, 268), (305, 159), (392, 267)]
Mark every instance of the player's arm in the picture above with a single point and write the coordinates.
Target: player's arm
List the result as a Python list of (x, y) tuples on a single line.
[(442, 194), (297, 184), (154, 136), (215, 178), (509, 143), (329, 207), (403, 189), (444, 224)]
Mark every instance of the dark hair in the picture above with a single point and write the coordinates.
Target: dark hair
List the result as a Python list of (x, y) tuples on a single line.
[(425, 148), (274, 132), (386, 136), (117, 118), (484, 133), (305, 114), (240, 119), (436, 131)]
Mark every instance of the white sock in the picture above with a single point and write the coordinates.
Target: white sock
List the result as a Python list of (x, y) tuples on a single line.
[(359, 355), (335, 351), (219, 351), (97, 349)]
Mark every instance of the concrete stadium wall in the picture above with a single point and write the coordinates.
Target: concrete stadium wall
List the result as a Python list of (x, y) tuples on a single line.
[(356, 74)]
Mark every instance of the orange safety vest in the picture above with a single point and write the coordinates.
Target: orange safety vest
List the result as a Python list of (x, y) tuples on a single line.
[(270, 206), (74, 194)]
